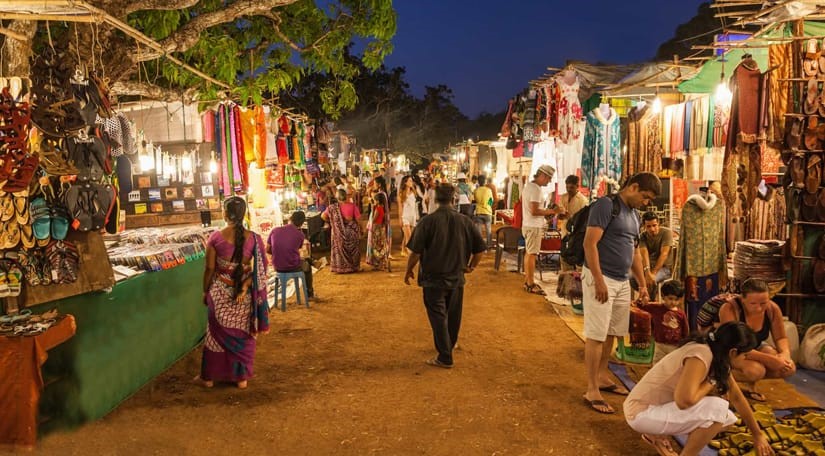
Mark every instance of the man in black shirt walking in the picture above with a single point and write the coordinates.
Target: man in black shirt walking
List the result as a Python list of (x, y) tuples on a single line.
[(448, 245)]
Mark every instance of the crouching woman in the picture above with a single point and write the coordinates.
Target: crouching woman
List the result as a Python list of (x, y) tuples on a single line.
[(683, 393)]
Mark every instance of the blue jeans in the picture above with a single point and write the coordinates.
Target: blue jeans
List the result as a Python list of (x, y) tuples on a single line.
[(487, 221)]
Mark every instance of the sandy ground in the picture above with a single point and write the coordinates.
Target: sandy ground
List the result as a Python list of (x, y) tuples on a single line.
[(348, 377)]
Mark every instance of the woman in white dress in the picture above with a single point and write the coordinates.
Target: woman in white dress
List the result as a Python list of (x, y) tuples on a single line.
[(408, 210)]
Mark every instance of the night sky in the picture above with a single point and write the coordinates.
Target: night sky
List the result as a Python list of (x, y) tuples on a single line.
[(487, 50)]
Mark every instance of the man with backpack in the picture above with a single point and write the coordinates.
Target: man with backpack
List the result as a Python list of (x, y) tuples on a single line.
[(610, 252), (532, 224), (571, 203)]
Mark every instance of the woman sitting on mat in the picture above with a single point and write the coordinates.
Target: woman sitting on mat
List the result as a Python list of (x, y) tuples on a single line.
[(345, 251), (681, 393), (234, 290), (755, 308)]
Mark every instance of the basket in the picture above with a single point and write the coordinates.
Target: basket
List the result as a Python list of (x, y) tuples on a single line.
[(634, 354)]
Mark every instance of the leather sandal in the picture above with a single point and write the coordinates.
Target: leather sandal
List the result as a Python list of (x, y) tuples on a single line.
[(808, 209), (798, 170), (811, 104), (814, 173)]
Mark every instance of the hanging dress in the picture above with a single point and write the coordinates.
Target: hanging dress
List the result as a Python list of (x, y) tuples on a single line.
[(570, 112), (602, 153)]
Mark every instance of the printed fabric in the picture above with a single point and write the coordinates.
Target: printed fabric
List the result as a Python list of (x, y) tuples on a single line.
[(570, 112), (602, 153), (702, 243)]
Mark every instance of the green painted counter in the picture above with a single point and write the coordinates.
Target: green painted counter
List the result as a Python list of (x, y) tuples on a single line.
[(124, 339)]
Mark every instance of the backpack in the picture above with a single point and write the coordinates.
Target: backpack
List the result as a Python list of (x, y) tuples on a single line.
[(572, 244)]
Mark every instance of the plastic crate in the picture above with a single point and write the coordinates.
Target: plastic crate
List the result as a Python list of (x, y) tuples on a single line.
[(636, 355)]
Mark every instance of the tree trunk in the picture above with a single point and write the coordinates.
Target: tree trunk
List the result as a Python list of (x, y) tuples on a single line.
[(15, 53)]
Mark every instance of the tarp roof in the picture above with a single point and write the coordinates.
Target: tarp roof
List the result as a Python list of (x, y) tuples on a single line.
[(655, 74), (708, 77)]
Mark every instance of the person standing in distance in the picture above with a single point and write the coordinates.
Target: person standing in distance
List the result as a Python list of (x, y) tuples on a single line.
[(532, 225), (611, 249), (448, 246)]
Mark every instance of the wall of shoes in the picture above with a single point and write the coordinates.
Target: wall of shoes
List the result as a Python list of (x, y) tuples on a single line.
[(59, 141), (803, 181)]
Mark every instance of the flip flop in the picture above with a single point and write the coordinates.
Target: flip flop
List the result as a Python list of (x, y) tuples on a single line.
[(662, 446), (599, 403), (615, 389), (436, 363)]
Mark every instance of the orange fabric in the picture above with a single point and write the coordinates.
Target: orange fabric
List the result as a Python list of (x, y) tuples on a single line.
[(260, 137), (22, 382), (248, 132)]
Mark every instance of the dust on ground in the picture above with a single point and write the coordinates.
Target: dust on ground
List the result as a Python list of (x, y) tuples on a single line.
[(347, 376)]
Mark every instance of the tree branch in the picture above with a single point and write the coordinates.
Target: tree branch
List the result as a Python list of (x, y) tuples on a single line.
[(153, 92), (188, 35), (166, 5)]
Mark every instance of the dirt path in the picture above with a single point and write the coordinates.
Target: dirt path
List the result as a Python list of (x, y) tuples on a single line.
[(347, 377)]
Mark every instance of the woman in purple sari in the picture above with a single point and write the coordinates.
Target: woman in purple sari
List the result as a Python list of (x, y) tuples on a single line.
[(345, 252), (234, 285)]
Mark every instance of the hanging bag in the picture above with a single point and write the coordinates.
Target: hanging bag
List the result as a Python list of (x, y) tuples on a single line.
[(505, 127)]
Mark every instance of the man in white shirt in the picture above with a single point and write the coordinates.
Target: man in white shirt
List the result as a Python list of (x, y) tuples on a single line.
[(532, 225)]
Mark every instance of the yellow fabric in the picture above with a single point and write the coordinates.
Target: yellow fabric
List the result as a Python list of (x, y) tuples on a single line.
[(484, 199), (248, 131)]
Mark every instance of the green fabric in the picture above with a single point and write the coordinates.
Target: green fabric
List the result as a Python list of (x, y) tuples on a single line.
[(124, 339), (708, 78)]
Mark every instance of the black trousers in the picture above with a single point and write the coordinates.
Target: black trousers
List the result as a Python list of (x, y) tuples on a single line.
[(444, 311), (306, 266)]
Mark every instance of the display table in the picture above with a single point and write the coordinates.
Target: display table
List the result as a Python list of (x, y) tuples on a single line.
[(505, 216), (21, 381), (125, 338)]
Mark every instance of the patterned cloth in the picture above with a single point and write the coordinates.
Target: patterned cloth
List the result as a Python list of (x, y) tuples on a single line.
[(644, 142), (602, 154), (702, 242), (570, 112), (345, 254), (378, 249), (229, 345)]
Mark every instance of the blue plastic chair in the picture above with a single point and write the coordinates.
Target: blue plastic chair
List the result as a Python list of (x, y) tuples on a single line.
[(300, 284)]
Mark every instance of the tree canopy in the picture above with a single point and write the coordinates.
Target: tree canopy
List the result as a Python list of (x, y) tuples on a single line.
[(257, 47)]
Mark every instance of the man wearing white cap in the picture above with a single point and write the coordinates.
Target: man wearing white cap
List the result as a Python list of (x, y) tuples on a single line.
[(465, 193), (532, 225)]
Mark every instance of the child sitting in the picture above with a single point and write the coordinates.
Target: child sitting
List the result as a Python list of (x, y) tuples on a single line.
[(670, 324)]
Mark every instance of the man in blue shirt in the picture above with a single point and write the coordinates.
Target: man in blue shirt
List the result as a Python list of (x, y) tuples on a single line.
[(610, 251)]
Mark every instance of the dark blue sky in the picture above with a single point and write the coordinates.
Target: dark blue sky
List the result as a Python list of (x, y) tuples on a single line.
[(487, 50)]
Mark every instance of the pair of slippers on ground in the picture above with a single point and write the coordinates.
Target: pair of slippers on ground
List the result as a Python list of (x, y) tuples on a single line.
[(600, 405)]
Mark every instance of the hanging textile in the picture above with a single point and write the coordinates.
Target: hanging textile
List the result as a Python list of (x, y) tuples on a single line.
[(281, 144), (781, 63), (222, 138), (677, 130), (246, 117), (260, 136), (544, 153), (271, 142), (552, 97), (300, 138), (208, 123), (767, 215), (687, 132), (601, 154), (701, 241), (644, 141), (529, 121), (570, 110)]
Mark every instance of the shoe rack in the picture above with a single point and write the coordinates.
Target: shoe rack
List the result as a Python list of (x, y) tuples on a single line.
[(803, 180)]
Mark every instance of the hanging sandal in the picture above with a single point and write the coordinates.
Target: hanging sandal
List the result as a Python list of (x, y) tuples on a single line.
[(534, 289)]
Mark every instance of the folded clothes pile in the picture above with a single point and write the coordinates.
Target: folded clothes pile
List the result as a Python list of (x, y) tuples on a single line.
[(759, 259)]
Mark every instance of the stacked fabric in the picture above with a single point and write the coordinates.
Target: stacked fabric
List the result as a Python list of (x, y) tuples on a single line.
[(758, 259)]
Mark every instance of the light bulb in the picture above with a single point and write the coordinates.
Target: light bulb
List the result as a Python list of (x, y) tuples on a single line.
[(147, 162), (657, 105), (213, 166), (186, 163), (723, 94)]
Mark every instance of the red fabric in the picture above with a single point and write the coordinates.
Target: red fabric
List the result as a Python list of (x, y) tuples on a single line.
[(669, 326), (241, 153), (379, 215), (518, 215), (519, 150), (21, 381)]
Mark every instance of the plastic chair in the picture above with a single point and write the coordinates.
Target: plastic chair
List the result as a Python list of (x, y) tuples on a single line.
[(550, 253), (300, 284), (507, 240)]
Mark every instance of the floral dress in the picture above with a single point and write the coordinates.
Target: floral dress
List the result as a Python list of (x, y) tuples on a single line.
[(570, 112)]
